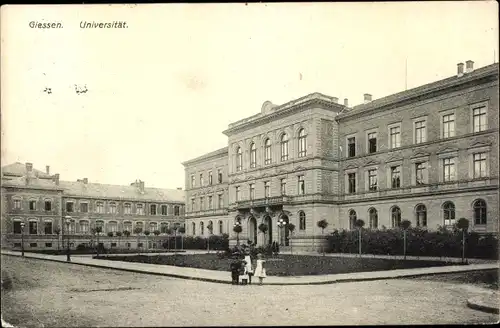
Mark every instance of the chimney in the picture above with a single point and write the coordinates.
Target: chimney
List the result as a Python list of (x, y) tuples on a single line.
[(469, 66), (141, 186), (460, 69), (368, 98), (29, 167), (180, 188), (56, 178), (47, 169), (346, 102), (335, 100), (85, 180)]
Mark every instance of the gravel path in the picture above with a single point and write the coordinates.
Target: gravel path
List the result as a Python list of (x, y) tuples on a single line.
[(49, 294)]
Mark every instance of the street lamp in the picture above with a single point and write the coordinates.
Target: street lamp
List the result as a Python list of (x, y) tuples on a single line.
[(68, 222), (22, 239), (281, 224), (237, 224)]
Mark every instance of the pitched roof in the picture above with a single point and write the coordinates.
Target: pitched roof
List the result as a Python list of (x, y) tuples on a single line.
[(33, 183), (19, 169)]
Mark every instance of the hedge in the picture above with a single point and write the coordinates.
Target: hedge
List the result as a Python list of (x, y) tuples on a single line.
[(419, 242), (215, 242)]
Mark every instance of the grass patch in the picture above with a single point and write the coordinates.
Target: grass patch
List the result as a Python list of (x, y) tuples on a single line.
[(285, 265), (484, 278)]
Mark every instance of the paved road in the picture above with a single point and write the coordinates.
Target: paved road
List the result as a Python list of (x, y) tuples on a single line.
[(55, 294)]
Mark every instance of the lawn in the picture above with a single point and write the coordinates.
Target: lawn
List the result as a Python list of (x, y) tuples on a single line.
[(284, 265), (483, 278)]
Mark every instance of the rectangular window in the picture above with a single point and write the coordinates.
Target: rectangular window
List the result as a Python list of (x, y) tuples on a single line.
[(448, 169), (84, 207), (69, 207), (202, 204), (237, 191), (479, 119), (48, 245), (139, 245), (420, 132), (48, 228), (193, 182), (33, 245), (193, 205), (140, 209), (84, 227), (372, 180), (252, 191), (32, 205), (177, 210), (152, 209), (17, 203), (127, 208), (302, 185), (33, 228), (210, 202), (219, 176), (396, 176), (372, 142), (48, 205), (479, 165), (164, 210), (201, 180), (448, 126), (99, 207), (351, 147), (420, 173), (395, 135), (17, 227), (221, 201), (351, 178), (283, 187), (210, 178), (267, 189)]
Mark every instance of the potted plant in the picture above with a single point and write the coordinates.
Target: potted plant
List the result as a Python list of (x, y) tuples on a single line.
[(322, 224)]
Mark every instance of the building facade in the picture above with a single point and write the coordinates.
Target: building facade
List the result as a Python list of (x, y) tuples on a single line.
[(43, 202), (428, 155)]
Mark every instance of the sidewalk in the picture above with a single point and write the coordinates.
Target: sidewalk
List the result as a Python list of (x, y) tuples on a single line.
[(225, 276), (489, 303)]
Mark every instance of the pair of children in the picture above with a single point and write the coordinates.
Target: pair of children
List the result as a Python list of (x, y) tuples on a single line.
[(244, 268)]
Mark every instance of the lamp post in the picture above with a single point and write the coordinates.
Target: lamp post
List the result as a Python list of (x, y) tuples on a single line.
[(68, 222), (281, 224), (22, 239)]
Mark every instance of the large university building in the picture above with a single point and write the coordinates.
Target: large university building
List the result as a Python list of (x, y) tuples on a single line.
[(42, 202), (428, 155)]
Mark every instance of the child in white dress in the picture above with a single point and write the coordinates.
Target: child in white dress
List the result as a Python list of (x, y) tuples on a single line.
[(260, 271)]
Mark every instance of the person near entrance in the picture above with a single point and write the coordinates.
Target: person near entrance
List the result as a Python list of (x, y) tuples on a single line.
[(260, 270), (235, 266), (248, 266)]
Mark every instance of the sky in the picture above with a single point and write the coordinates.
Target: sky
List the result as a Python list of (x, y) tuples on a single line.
[(161, 91)]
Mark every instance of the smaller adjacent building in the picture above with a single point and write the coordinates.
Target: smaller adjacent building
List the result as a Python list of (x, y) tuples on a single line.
[(41, 201)]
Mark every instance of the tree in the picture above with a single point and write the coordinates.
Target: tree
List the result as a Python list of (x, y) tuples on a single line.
[(463, 224), (322, 224), (138, 231), (291, 228), (238, 229), (126, 233), (263, 228), (182, 231), (210, 228), (359, 224), (119, 235), (57, 231), (405, 224)]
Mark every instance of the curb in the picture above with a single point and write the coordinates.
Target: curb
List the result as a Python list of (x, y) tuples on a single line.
[(475, 303), (228, 282)]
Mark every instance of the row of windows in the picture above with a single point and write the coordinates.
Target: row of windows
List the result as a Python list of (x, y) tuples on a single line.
[(210, 227), (99, 207), (210, 179), (284, 151), (210, 203), (301, 188), (420, 173), (479, 124), (83, 227), (448, 211)]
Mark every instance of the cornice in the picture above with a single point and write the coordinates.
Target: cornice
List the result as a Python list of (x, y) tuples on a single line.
[(220, 153)]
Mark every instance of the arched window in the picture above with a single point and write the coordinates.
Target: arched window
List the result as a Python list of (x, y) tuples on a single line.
[(177, 210), (267, 152), (127, 226), (112, 207), (221, 230), (284, 147), (210, 227), (253, 155), (396, 216), (139, 226), (202, 228), (153, 226), (352, 219), (421, 215), (84, 226), (372, 213), (194, 228), (239, 159), (302, 220), (449, 213), (302, 143), (112, 226), (479, 211)]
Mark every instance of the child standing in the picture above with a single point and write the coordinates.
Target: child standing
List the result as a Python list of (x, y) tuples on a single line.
[(248, 266), (260, 271)]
